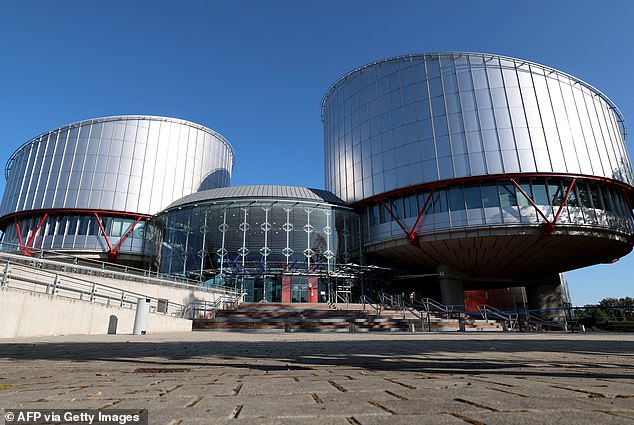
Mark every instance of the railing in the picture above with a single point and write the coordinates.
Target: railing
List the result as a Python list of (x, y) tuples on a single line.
[(201, 309), (376, 307), (128, 274), (486, 311), (534, 320), (34, 279)]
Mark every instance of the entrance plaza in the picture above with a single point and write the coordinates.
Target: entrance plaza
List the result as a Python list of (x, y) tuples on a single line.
[(329, 378)]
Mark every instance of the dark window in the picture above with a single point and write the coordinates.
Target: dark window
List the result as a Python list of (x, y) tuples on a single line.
[(573, 200), (521, 199), (490, 198), (473, 197), (607, 199), (584, 195), (52, 220), (556, 195), (440, 201), (384, 216), (83, 225), (540, 193), (396, 205), (596, 197), (411, 209), (456, 199), (507, 195)]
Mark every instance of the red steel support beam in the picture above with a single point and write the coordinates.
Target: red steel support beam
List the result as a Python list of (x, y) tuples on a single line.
[(17, 226), (563, 201), (420, 214), (105, 235), (26, 248), (528, 198), (115, 250), (549, 226), (411, 235), (394, 217)]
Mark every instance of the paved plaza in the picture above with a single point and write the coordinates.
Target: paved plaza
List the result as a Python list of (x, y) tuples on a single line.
[(327, 378)]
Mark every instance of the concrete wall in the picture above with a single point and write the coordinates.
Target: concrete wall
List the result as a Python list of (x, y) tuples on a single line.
[(25, 314), (174, 294)]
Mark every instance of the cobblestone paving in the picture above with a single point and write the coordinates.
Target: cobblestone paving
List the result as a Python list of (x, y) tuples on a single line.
[(296, 378)]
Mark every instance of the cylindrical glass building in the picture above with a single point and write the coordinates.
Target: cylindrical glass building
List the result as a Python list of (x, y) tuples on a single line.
[(488, 165), (91, 186), (277, 243)]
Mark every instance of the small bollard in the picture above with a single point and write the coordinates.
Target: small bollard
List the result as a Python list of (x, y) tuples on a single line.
[(412, 327), (141, 316), (287, 327), (351, 327)]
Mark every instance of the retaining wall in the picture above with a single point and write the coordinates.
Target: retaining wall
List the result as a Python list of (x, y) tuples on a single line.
[(25, 314)]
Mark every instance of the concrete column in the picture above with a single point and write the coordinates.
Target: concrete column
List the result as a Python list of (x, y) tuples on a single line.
[(451, 286), (545, 293)]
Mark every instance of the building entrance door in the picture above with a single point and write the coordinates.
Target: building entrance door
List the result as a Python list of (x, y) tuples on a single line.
[(299, 289)]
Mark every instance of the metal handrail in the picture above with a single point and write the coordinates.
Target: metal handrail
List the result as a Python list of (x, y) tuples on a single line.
[(193, 309), (486, 310), (430, 305), (537, 319), (44, 281), (376, 306), (75, 267), (129, 273)]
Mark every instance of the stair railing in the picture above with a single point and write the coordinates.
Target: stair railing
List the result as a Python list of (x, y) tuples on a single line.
[(486, 311)]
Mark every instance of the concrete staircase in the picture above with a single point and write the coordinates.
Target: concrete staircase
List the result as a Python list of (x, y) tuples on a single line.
[(325, 318)]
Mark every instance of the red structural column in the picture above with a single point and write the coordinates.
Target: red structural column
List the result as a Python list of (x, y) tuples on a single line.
[(286, 289), (313, 289)]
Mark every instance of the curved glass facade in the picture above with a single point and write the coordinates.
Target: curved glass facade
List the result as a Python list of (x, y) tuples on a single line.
[(422, 118), (92, 186), (590, 204), (245, 241), (81, 232), (131, 163)]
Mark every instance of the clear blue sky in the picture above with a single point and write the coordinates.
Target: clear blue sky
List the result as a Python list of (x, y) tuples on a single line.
[(256, 71)]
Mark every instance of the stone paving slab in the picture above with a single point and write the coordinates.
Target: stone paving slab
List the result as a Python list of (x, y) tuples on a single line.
[(319, 378)]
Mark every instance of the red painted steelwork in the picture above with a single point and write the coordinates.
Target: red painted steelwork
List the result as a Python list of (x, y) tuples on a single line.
[(113, 252), (547, 226), (17, 226), (26, 249), (422, 211), (528, 198), (394, 217), (103, 231), (412, 235), (72, 211), (563, 201)]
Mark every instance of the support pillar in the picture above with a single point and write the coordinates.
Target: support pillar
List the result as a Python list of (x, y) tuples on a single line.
[(544, 294), (451, 286)]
